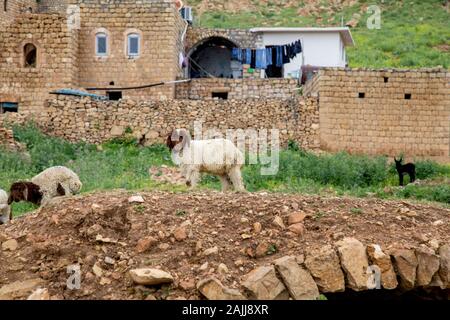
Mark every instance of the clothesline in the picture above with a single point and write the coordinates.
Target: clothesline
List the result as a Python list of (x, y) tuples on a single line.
[(277, 55)]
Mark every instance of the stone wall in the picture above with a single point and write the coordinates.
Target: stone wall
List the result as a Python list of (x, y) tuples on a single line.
[(56, 64), (199, 89), (59, 6), (7, 140), (312, 87), (159, 25), (66, 57), (242, 38), (385, 111), (84, 119), (13, 9)]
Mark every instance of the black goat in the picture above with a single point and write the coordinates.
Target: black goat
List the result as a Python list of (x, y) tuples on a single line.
[(408, 168)]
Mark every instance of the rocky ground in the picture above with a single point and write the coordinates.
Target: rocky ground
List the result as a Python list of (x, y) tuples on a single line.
[(195, 245)]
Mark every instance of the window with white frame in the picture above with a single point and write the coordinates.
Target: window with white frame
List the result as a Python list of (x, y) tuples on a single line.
[(101, 44), (133, 47)]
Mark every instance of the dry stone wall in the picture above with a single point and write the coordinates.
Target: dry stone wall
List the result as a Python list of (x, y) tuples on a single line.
[(93, 121), (54, 5), (349, 265), (385, 111), (240, 37), (203, 89), (13, 9), (312, 87)]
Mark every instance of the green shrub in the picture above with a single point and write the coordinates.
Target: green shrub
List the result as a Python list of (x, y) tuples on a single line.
[(47, 151), (425, 169), (122, 163), (340, 170), (430, 169), (438, 193)]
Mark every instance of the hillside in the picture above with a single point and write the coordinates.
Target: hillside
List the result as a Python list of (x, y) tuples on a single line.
[(413, 33), (196, 236)]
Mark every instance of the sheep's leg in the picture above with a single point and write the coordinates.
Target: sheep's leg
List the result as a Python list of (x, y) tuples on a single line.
[(226, 184), (5, 214), (4, 219), (236, 178), (44, 202), (193, 178)]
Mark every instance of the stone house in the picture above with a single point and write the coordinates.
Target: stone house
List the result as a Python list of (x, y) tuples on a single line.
[(48, 44)]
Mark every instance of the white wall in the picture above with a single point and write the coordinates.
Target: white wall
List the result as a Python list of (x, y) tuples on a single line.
[(322, 49)]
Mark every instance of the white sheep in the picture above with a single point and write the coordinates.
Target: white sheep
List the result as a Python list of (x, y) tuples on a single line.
[(218, 157), (5, 209), (51, 183)]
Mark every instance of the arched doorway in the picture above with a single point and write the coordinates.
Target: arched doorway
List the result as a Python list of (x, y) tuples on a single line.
[(212, 57), (30, 55)]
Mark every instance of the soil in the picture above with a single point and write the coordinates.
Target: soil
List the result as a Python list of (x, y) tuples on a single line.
[(88, 229)]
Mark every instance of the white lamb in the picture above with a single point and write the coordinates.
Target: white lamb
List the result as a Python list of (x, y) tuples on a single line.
[(5, 209), (218, 157), (51, 183)]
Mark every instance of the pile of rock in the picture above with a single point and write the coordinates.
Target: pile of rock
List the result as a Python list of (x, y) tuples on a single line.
[(350, 265), (7, 140)]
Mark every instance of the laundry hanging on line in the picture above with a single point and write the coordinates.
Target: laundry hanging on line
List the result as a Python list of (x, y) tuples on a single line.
[(271, 55)]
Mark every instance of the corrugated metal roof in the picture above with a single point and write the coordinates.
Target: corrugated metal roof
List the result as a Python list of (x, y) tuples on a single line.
[(79, 93)]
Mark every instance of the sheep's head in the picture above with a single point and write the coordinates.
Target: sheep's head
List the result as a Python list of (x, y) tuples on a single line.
[(75, 186), (25, 191), (178, 140)]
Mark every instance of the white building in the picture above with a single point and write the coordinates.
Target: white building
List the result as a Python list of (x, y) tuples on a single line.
[(322, 47)]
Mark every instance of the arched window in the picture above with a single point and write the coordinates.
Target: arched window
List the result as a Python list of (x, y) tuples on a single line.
[(30, 55), (134, 44), (101, 44)]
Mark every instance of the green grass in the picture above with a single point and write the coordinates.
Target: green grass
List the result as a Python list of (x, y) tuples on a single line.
[(122, 164), (410, 33)]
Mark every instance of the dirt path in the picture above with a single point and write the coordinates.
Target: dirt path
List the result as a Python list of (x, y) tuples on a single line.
[(190, 235)]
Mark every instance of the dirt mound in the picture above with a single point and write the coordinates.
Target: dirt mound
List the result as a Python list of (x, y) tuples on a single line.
[(193, 236)]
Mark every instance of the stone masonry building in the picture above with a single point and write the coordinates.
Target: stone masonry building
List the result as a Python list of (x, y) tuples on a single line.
[(48, 45), (44, 46)]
